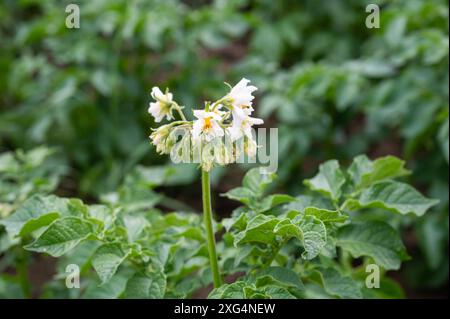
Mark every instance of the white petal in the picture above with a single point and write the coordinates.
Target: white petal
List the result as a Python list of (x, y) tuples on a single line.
[(218, 131), (249, 109), (153, 107), (155, 111), (241, 93), (251, 88), (157, 94), (235, 132), (255, 121), (238, 114), (158, 118), (200, 114), (241, 84), (197, 129)]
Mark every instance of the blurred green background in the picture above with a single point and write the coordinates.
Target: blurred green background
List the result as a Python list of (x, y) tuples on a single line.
[(333, 88)]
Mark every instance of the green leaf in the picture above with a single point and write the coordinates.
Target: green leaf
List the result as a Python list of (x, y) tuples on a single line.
[(271, 201), (361, 165), (373, 239), (168, 175), (389, 289), (113, 289), (150, 286), (279, 276), (393, 196), (234, 290), (107, 258), (39, 222), (303, 201), (316, 291), (277, 292), (314, 236), (238, 222), (310, 231), (432, 235), (194, 233), (133, 196), (329, 249), (37, 211), (286, 228), (371, 68), (328, 181), (364, 172), (259, 230), (103, 214), (338, 285), (61, 236), (80, 255), (241, 194), (134, 224), (8, 163), (257, 182), (243, 253), (325, 215)]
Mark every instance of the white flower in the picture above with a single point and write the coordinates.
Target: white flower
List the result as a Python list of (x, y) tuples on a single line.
[(241, 98), (207, 125), (163, 105), (241, 94), (241, 127), (230, 117)]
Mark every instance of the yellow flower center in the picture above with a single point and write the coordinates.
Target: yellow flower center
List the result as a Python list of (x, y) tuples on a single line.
[(207, 123)]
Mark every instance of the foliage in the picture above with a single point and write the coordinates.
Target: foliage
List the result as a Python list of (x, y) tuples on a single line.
[(306, 248), (73, 111), (281, 246)]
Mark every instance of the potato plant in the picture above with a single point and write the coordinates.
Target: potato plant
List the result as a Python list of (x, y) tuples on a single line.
[(314, 245), (73, 124)]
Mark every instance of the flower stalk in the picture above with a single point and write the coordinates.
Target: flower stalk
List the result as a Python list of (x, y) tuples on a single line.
[(207, 215), (215, 132), (179, 109)]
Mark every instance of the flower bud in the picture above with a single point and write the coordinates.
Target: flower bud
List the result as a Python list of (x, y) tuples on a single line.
[(159, 138)]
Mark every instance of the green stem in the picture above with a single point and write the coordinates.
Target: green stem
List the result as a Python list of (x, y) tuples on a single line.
[(274, 254), (180, 111), (207, 214), (22, 272)]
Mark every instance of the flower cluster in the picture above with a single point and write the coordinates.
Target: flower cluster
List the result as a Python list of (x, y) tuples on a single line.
[(220, 133)]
